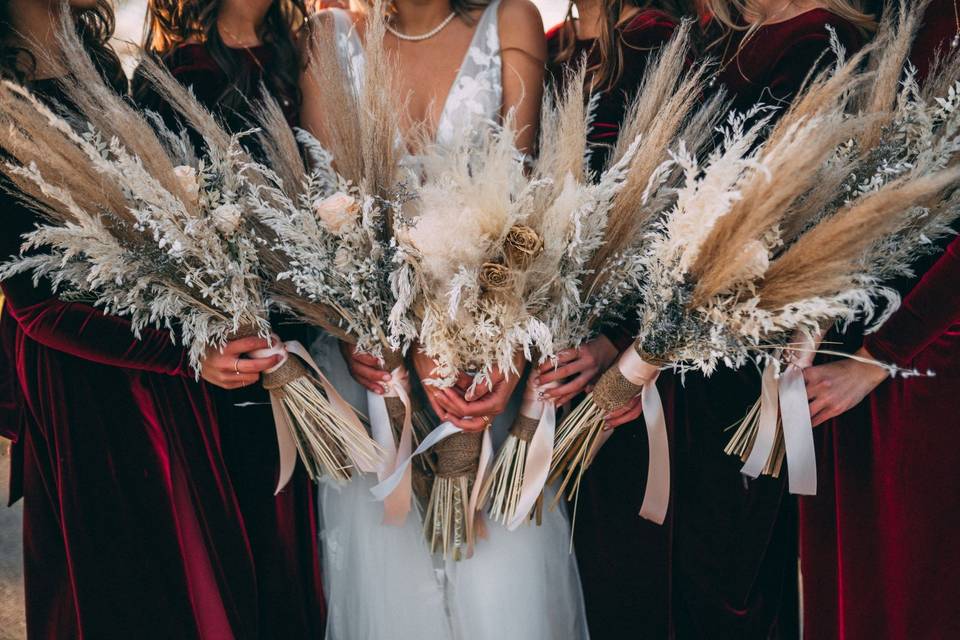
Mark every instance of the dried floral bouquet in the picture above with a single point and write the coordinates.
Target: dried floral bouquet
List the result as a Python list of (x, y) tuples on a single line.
[(136, 220)]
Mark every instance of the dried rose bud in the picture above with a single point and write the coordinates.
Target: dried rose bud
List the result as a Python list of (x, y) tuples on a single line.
[(226, 218), (522, 246)]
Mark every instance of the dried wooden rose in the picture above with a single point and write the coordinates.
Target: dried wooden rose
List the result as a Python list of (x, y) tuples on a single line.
[(522, 246), (495, 277)]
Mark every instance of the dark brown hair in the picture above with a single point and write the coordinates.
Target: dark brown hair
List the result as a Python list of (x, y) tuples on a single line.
[(609, 46), (171, 23), (95, 27)]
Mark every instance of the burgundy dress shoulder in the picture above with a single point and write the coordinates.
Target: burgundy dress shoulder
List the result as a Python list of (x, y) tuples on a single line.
[(282, 529), (130, 525), (734, 550)]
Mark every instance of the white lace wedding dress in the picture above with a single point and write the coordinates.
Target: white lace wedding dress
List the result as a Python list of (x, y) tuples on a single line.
[(381, 582)]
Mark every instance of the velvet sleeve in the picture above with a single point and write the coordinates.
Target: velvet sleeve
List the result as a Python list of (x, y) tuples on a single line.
[(930, 309), (76, 328)]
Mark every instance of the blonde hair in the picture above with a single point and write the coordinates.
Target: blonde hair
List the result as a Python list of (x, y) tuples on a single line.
[(726, 12)]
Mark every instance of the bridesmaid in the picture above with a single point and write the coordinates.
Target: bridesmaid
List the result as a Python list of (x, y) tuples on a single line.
[(733, 541), (887, 462), (131, 528), (226, 50), (621, 556)]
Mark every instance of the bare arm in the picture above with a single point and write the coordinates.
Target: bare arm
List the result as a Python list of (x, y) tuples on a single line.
[(524, 54)]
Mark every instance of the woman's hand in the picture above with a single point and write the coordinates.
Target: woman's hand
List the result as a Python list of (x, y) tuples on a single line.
[(627, 413), (364, 368), (426, 369), (230, 369), (577, 368), (837, 387)]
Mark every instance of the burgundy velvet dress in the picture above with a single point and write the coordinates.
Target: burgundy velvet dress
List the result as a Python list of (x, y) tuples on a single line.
[(282, 529), (622, 558), (131, 528), (733, 548), (877, 555)]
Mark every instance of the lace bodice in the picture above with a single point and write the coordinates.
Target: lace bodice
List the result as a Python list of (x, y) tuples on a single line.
[(476, 95)]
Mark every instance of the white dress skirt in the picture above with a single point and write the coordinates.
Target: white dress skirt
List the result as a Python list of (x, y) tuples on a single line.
[(382, 583)]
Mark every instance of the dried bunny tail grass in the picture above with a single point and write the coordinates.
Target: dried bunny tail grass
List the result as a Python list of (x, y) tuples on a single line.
[(789, 170), (107, 111), (564, 124), (668, 95), (36, 138), (279, 145), (829, 258)]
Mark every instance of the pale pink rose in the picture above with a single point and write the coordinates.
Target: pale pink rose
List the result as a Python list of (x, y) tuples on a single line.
[(338, 212), (187, 177)]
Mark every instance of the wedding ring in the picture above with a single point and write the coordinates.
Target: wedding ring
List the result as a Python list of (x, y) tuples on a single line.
[(236, 366)]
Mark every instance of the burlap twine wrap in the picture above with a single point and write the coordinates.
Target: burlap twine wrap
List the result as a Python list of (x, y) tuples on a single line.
[(289, 371), (613, 390), (459, 455), (524, 427), (395, 409)]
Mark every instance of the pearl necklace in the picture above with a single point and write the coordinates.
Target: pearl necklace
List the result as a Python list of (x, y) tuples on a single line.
[(423, 36)]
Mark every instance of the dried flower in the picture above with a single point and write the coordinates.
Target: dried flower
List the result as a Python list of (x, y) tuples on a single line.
[(495, 277), (338, 212), (522, 246), (227, 218), (187, 177)]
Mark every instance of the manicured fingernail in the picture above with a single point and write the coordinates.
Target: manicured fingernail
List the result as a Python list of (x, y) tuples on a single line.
[(607, 428), (385, 377)]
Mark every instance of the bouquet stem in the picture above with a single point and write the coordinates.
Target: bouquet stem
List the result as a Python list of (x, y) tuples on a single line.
[(503, 485), (448, 523)]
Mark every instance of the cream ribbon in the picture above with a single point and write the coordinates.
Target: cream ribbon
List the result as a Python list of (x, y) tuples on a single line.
[(656, 498), (784, 395), (396, 505), (286, 443), (766, 437), (539, 450), (386, 487)]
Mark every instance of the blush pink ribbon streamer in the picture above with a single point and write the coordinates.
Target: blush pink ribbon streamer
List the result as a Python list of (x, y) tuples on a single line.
[(539, 451), (641, 373), (286, 444), (483, 468), (396, 505)]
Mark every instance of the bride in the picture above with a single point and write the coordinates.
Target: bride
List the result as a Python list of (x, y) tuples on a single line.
[(462, 63)]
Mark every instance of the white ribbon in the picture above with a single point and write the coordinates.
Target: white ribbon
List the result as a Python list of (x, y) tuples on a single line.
[(397, 504), (539, 450), (639, 372), (286, 443), (766, 437), (798, 432), (386, 487)]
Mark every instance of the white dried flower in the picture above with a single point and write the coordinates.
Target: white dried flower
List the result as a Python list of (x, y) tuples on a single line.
[(338, 212), (226, 218)]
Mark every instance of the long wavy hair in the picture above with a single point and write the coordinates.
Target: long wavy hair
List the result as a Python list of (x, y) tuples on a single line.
[(729, 12), (95, 27), (172, 23), (608, 69)]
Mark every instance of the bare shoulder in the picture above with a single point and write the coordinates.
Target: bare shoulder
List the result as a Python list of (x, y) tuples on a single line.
[(521, 27)]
